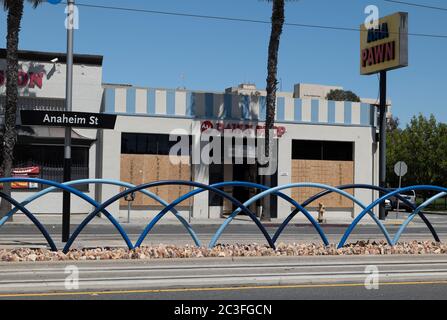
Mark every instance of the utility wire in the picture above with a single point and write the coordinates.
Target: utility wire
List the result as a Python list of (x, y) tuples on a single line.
[(416, 5), (222, 18)]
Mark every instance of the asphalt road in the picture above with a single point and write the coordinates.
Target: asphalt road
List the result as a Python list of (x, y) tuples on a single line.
[(105, 235), (438, 220), (11, 229), (390, 291)]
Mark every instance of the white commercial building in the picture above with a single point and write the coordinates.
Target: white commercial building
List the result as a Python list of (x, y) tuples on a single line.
[(330, 142)]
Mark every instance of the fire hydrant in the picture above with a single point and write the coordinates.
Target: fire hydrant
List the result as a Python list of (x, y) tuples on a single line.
[(321, 212)]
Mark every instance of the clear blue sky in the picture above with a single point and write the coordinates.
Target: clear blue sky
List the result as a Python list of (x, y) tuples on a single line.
[(155, 50)]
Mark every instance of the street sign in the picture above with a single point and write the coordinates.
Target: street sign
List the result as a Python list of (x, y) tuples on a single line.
[(401, 169), (384, 48), (68, 119)]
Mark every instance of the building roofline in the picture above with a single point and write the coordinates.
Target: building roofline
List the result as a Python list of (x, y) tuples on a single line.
[(39, 56)]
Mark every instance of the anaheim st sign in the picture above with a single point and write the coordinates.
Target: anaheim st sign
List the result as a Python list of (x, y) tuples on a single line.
[(67, 119)]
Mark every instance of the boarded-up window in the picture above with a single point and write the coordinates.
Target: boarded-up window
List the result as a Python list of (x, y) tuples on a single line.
[(322, 162), (151, 163)]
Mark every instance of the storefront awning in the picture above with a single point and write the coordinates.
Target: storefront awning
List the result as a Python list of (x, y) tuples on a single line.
[(49, 135)]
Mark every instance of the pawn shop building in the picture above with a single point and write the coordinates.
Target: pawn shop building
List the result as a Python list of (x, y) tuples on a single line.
[(321, 141)]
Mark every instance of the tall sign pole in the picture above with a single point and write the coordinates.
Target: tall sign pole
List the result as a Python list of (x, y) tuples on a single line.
[(68, 107), (400, 169), (382, 140), (384, 47)]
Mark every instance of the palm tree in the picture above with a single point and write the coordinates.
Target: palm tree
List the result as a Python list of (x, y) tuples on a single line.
[(272, 82), (8, 131)]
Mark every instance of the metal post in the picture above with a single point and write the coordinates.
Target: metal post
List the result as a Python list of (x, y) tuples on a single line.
[(68, 107), (382, 142), (400, 186)]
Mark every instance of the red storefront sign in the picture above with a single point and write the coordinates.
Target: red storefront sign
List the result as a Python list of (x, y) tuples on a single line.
[(222, 126), (29, 172), (26, 79)]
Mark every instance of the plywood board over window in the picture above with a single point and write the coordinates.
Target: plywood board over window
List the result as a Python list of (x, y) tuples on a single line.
[(327, 172), (144, 168)]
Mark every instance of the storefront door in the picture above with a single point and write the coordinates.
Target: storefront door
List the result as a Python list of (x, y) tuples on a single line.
[(247, 173)]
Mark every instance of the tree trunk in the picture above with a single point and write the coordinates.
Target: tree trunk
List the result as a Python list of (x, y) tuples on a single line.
[(9, 134), (272, 82)]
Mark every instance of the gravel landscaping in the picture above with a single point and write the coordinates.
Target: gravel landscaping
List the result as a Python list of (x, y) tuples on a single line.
[(238, 250)]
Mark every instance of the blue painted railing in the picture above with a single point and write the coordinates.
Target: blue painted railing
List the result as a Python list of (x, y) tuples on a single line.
[(215, 188)]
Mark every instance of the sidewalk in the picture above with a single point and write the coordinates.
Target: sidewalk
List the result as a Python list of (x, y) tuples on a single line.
[(22, 234), (436, 212), (56, 219)]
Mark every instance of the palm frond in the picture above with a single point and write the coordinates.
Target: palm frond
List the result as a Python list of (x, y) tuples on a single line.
[(36, 3), (6, 4), (9, 3)]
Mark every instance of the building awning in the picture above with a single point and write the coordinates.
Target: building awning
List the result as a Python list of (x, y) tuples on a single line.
[(39, 56), (34, 103), (49, 135), (40, 134)]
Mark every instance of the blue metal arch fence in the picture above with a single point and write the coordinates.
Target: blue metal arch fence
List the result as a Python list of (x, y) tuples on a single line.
[(107, 182), (367, 187), (241, 207)]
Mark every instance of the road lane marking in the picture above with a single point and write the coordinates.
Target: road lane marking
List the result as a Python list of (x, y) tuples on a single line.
[(243, 288)]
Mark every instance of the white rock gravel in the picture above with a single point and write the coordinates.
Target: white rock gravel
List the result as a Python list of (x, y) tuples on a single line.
[(234, 250)]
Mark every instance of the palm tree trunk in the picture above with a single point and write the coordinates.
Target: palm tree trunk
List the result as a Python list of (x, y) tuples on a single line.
[(9, 134), (272, 82)]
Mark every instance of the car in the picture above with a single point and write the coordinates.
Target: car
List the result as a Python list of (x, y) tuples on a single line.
[(408, 205), (388, 206)]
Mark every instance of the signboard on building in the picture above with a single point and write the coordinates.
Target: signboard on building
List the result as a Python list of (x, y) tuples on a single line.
[(68, 119), (386, 47), (28, 172), (25, 79), (229, 127)]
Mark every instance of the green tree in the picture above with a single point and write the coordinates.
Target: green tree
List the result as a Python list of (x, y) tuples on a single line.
[(442, 151), (421, 138), (8, 132), (395, 152), (423, 146), (342, 95)]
